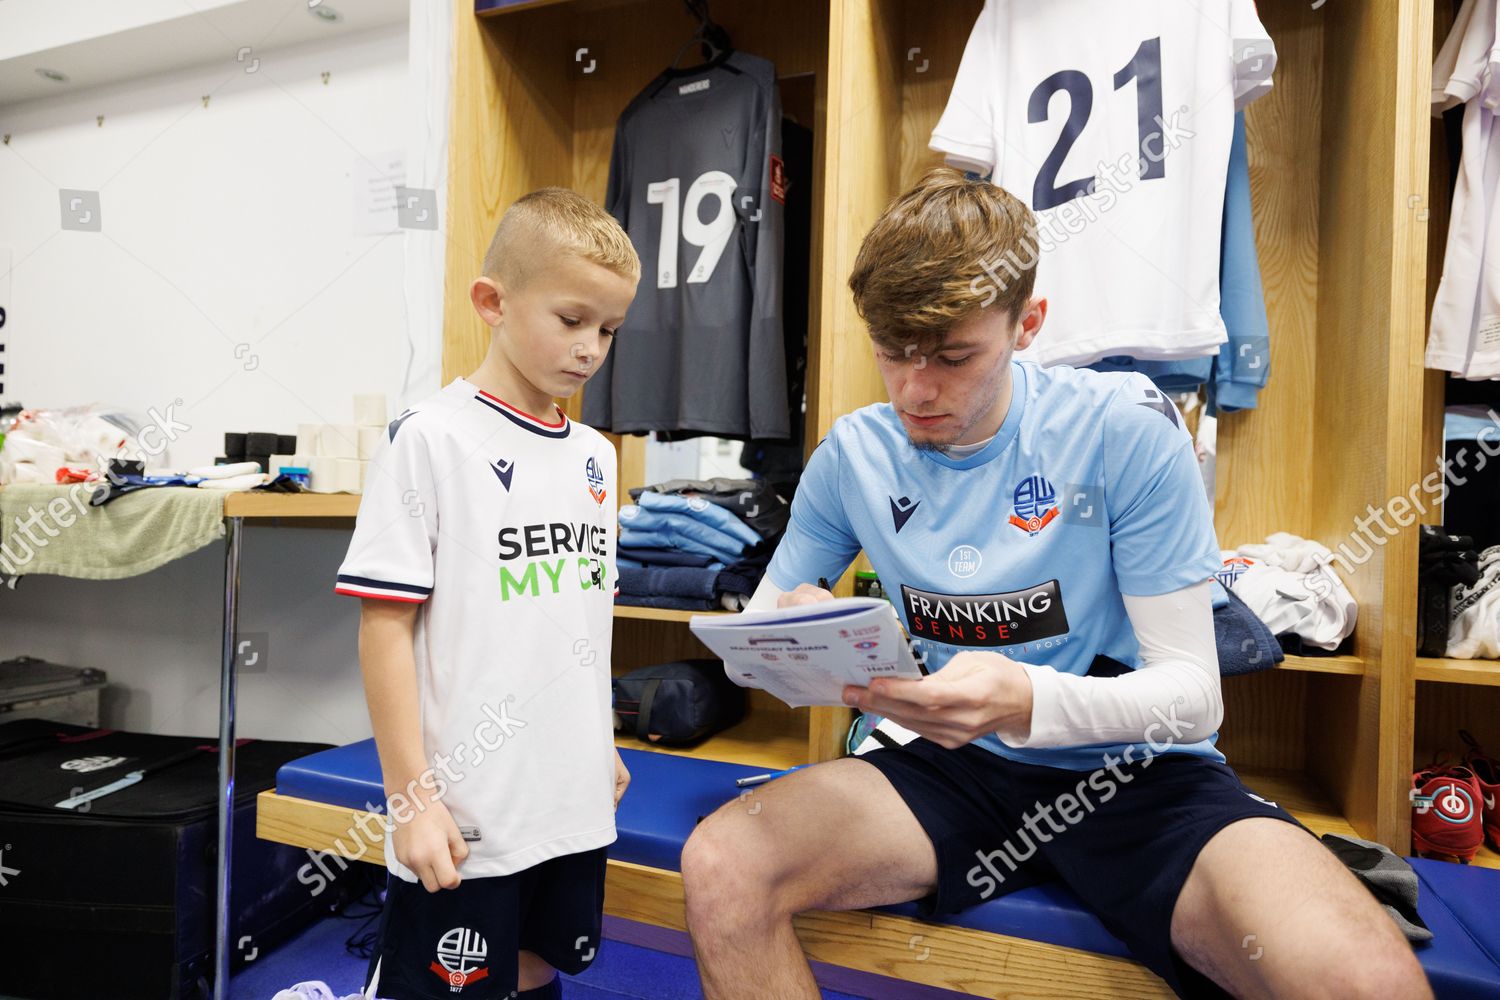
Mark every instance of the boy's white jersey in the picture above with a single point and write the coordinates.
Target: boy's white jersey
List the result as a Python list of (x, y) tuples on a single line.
[(502, 526)]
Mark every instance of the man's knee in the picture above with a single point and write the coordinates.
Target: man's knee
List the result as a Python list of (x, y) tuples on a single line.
[(719, 863), (1391, 972)]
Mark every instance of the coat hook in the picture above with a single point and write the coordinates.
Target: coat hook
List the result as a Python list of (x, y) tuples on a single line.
[(7, 138), (205, 99), (101, 121), (325, 78)]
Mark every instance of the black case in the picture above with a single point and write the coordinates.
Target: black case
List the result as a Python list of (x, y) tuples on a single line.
[(116, 899)]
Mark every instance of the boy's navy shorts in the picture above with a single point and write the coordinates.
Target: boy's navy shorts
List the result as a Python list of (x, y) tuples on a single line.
[(1126, 853), (462, 944)]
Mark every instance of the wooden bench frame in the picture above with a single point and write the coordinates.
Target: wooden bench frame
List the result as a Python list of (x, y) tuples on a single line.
[(938, 955)]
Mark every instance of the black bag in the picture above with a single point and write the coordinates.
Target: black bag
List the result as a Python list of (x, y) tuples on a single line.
[(681, 702), (116, 898)]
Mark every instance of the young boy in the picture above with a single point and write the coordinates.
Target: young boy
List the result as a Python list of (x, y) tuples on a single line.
[(484, 555)]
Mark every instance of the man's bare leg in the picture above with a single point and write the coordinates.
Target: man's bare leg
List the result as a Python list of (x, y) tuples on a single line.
[(1269, 912), (836, 836)]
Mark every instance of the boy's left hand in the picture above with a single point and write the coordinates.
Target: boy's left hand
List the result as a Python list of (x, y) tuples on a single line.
[(622, 779)]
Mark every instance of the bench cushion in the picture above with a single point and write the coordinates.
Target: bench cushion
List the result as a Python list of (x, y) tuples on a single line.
[(669, 794)]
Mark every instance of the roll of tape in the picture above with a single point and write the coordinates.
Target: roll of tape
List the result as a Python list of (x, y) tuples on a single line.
[(340, 441), (369, 408), (309, 439), (369, 440)]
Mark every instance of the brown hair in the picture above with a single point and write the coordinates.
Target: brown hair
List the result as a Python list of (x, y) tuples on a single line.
[(541, 226), (941, 251)]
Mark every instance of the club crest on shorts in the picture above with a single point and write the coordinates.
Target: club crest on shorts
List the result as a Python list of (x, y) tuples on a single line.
[(1034, 504), (595, 476), (461, 953)]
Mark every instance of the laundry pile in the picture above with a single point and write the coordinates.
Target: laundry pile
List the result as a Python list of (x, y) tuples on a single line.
[(1290, 585), (1474, 614), (1444, 561), (698, 545)]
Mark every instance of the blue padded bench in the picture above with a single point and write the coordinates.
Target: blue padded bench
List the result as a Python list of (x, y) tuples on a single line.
[(669, 793)]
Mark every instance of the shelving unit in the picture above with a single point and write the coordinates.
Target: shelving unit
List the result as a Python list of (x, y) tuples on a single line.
[(659, 614), (1348, 665), (1447, 694), (1337, 150), (1484, 673)]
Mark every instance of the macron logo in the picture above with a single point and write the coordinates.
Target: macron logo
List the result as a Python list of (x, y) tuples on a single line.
[(1161, 404), (503, 470), (395, 425), (902, 510)]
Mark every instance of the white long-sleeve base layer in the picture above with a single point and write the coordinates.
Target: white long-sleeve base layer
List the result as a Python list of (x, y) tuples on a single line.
[(1178, 676)]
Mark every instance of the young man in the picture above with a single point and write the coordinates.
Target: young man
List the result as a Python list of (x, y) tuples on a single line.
[(484, 554), (1042, 532)]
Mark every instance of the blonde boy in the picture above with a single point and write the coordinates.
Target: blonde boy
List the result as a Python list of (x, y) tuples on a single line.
[(484, 555)]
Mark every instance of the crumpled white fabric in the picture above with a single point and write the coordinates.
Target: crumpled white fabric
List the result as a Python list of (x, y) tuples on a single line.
[(314, 989), (1474, 628), (1288, 582)]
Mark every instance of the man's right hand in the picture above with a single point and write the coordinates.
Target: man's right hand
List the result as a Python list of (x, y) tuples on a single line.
[(430, 846), (805, 593)]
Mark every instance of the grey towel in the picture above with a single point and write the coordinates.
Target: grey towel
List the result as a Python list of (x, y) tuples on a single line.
[(1389, 878)]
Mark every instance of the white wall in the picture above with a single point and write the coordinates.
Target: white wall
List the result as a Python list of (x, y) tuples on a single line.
[(225, 225)]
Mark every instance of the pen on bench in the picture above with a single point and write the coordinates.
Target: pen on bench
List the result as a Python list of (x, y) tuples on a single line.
[(760, 779)]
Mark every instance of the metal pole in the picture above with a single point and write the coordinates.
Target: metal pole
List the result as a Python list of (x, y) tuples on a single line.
[(235, 528)]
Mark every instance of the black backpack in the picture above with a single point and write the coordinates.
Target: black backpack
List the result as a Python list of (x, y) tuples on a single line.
[(681, 702)]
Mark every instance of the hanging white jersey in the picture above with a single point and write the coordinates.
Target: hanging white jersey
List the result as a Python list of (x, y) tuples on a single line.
[(1113, 122), (502, 526), (1465, 332)]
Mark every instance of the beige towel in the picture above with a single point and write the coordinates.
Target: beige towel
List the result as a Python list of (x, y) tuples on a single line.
[(130, 535)]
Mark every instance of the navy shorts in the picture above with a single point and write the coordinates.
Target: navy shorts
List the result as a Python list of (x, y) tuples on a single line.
[(1123, 841), (462, 944)]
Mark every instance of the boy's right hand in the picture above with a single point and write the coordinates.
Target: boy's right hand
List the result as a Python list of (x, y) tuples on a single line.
[(805, 593), (430, 845)]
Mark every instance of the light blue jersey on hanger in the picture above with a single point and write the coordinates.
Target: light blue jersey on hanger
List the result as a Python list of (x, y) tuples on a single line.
[(1089, 490)]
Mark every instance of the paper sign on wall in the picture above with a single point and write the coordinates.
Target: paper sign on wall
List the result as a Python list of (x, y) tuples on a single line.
[(375, 179)]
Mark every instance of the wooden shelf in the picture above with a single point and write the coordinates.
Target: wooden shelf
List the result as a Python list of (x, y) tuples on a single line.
[(260, 505), (1445, 671), (1351, 665), (748, 743), (660, 614), (1299, 795)]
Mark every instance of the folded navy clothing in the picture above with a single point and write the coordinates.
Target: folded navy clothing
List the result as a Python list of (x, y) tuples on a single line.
[(754, 501), (1244, 642), (671, 581), (668, 603), (668, 557), (707, 584)]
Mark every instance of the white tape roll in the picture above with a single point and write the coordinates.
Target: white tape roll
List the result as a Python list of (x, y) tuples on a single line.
[(309, 438), (369, 440), (340, 441), (369, 408)]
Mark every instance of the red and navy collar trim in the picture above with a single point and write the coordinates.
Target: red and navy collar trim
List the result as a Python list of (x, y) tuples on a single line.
[(525, 420)]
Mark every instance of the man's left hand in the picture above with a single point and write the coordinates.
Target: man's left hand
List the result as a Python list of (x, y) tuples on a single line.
[(973, 695)]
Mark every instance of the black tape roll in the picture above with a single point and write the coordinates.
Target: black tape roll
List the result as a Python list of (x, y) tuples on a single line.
[(260, 443)]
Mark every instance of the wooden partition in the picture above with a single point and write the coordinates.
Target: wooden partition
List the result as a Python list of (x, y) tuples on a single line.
[(1339, 159)]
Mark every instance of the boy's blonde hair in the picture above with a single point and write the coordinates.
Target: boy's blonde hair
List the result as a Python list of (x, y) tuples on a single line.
[(551, 222), (941, 251)]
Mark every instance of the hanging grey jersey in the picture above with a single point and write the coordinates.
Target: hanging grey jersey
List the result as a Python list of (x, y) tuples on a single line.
[(696, 179)]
